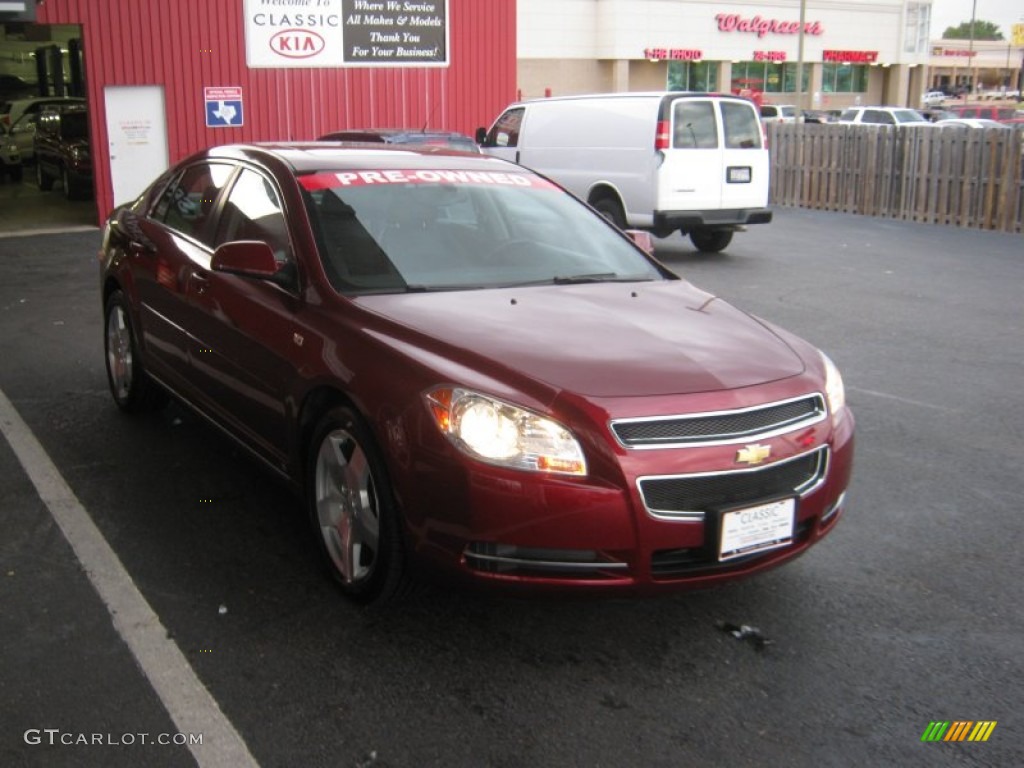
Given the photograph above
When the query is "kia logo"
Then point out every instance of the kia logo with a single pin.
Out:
(297, 43)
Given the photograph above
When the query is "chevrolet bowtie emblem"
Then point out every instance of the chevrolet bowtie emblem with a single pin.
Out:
(753, 454)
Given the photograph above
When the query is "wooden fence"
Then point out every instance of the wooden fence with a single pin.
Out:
(960, 177)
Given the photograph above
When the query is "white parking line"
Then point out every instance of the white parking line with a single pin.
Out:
(190, 705)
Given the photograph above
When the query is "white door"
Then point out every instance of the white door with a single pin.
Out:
(137, 132)
(690, 179)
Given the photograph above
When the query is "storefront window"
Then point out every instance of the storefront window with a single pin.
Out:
(915, 36)
(699, 76)
(767, 77)
(844, 78)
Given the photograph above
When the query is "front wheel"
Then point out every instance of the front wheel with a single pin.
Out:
(711, 240)
(132, 389)
(353, 512)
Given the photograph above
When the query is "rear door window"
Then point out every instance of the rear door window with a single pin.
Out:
(187, 204)
(693, 125)
(739, 123)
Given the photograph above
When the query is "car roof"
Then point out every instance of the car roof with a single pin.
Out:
(304, 157)
(389, 132)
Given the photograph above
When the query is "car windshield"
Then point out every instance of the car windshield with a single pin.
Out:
(436, 230)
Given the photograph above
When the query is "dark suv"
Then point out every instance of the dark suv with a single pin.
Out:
(62, 150)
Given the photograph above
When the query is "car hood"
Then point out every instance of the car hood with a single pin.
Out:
(601, 340)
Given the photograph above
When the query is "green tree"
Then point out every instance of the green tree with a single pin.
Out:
(983, 30)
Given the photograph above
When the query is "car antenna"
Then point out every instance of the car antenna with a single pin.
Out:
(429, 118)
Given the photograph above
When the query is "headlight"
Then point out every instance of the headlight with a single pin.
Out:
(504, 434)
(834, 390)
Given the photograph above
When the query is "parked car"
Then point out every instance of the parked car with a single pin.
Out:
(937, 114)
(446, 139)
(822, 115)
(782, 113)
(901, 116)
(23, 134)
(971, 122)
(696, 163)
(62, 150)
(467, 370)
(981, 111)
(933, 99)
(13, 87)
(13, 110)
(10, 156)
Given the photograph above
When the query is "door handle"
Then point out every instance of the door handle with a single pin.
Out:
(199, 283)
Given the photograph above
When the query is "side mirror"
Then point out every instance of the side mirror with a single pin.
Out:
(481, 135)
(247, 258)
(641, 238)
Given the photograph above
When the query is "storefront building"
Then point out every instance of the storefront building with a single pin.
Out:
(874, 52)
(982, 68)
(165, 79)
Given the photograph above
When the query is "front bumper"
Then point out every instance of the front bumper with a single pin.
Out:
(517, 531)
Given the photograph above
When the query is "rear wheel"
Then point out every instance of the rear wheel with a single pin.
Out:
(70, 191)
(16, 173)
(132, 389)
(43, 179)
(353, 512)
(711, 240)
(611, 210)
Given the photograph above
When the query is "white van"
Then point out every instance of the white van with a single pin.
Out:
(667, 161)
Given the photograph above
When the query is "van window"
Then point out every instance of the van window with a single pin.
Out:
(505, 132)
(694, 125)
(740, 126)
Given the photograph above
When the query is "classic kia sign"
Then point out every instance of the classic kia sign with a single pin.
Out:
(346, 33)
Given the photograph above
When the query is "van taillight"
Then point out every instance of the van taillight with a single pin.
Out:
(661, 136)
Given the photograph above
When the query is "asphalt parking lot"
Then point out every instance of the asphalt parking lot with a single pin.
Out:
(908, 613)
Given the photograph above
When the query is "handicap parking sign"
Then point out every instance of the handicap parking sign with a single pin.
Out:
(223, 107)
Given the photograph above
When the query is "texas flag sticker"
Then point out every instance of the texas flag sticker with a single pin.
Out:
(223, 107)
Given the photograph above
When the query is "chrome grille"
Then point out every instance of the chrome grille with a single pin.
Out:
(720, 427)
(688, 497)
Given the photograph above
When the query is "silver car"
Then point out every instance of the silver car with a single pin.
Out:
(10, 156)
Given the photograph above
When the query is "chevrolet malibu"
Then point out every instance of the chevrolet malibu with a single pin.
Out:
(464, 370)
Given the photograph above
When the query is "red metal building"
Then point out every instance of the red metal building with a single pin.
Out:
(187, 46)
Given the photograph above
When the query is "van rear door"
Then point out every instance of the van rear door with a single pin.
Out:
(716, 160)
(745, 164)
(689, 178)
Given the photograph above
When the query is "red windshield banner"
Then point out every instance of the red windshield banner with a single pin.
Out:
(325, 180)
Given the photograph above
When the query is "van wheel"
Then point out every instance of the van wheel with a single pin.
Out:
(711, 240)
(611, 210)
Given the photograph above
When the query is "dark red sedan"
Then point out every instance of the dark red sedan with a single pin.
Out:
(463, 367)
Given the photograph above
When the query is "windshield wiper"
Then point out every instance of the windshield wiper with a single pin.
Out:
(599, 277)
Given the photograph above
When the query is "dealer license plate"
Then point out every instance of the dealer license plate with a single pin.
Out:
(757, 529)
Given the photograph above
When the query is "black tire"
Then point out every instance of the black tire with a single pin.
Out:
(611, 210)
(711, 240)
(348, 495)
(131, 388)
(44, 181)
(70, 193)
(16, 174)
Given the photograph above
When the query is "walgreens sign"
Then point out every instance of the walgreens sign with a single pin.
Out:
(757, 25)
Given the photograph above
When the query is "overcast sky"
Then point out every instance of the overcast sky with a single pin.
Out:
(950, 13)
